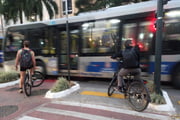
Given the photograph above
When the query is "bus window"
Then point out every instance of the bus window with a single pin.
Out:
(144, 36)
(171, 39)
(63, 43)
(74, 34)
(139, 33)
(129, 33)
(14, 40)
(171, 42)
(41, 42)
(100, 36)
(1, 40)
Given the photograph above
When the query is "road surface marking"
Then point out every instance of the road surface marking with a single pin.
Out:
(29, 118)
(74, 114)
(113, 109)
(103, 94)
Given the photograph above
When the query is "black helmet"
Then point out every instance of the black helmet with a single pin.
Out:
(128, 43)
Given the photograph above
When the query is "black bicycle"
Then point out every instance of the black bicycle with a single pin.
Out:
(134, 90)
(32, 81)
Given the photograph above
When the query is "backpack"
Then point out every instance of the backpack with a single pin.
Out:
(26, 59)
(130, 58)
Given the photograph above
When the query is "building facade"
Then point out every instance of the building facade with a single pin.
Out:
(61, 10)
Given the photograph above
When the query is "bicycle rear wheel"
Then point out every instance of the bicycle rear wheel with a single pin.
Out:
(112, 84)
(138, 96)
(27, 85)
(37, 79)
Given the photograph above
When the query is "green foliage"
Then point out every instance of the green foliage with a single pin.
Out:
(8, 76)
(60, 85)
(14, 9)
(157, 99)
(90, 5)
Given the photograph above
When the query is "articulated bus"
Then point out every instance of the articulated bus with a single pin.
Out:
(95, 36)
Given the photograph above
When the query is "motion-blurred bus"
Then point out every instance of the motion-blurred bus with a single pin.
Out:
(95, 36)
(1, 51)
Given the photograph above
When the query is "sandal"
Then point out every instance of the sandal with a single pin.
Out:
(20, 90)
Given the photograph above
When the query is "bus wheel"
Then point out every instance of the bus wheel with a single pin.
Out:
(40, 67)
(176, 77)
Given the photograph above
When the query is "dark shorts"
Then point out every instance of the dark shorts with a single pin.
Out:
(25, 68)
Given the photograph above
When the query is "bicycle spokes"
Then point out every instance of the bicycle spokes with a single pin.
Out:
(138, 96)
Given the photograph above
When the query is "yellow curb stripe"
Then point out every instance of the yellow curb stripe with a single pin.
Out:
(103, 94)
(176, 116)
(179, 102)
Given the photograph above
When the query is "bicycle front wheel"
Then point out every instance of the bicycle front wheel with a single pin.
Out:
(37, 79)
(138, 96)
(27, 86)
(112, 84)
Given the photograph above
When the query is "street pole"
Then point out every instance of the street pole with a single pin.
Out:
(158, 46)
(2, 26)
(68, 40)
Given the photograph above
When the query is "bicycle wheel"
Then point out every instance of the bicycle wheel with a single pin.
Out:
(37, 79)
(138, 96)
(112, 84)
(27, 86)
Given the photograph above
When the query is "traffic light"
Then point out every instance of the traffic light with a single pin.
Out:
(165, 2)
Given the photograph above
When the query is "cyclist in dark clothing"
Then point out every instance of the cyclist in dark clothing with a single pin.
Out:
(130, 64)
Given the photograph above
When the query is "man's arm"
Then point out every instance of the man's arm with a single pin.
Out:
(117, 55)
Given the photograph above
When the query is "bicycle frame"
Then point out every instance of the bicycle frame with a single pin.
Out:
(134, 90)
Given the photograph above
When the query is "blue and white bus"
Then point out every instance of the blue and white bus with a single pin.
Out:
(95, 36)
(1, 51)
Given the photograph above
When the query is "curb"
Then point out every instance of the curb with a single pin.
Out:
(2, 85)
(64, 93)
(168, 107)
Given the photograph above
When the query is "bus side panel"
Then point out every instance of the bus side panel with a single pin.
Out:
(102, 67)
(167, 65)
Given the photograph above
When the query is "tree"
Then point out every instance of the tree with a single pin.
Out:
(90, 5)
(35, 8)
(10, 10)
(0, 7)
(14, 9)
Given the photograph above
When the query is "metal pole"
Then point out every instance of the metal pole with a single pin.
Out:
(2, 26)
(158, 47)
(68, 40)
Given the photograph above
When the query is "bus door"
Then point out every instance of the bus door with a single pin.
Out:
(62, 49)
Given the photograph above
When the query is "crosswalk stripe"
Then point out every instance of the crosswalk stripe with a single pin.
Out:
(29, 118)
(73, 113)
(128, 112)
